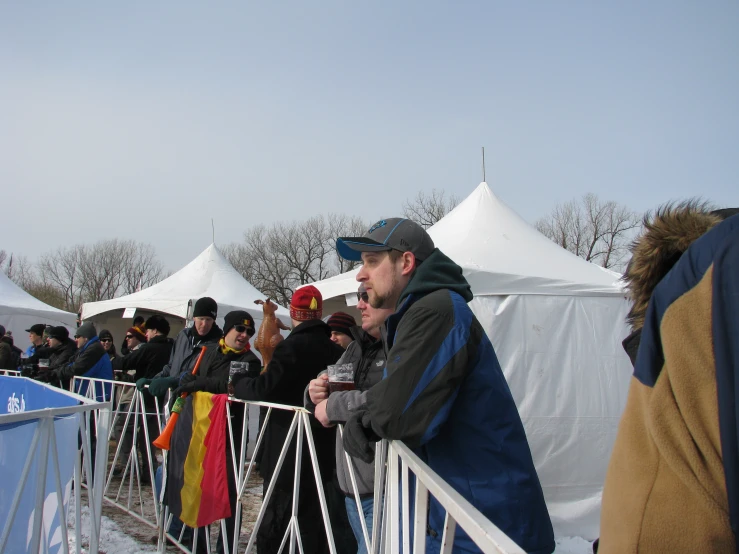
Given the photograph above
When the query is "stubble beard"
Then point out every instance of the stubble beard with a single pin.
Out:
(385, 301)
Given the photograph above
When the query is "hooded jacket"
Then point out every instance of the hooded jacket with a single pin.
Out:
(368, 357)
(671, 484)
(10, 355)
(89, 361)
(445, 396)
(186, 341)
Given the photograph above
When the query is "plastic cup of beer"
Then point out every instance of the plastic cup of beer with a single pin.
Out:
(43, 363)
(340, 377)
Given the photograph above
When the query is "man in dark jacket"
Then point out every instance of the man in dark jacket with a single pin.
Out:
(445, 395)
(212, 376)
(203, 331)
(296, 360)
(90, 360)
(147, 360)
(367, 355)
(9, 353)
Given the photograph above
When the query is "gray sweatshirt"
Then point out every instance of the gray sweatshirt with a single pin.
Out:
(368, 358)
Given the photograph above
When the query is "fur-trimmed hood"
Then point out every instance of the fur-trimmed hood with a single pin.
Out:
(667, 233)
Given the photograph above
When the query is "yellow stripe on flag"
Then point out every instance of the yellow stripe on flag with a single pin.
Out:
(193, 474)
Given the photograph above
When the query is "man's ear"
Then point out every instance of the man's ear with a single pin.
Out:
(409, 263)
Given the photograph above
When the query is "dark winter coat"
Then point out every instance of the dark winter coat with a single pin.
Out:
(89, 361)
(60, 355)
(296, 360)
(368, 357)
(10, 355)
(446, 397)
(148, 360)
(186, 340)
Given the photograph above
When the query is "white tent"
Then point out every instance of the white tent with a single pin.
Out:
(210, 274)
(19, 310)
(556, 322)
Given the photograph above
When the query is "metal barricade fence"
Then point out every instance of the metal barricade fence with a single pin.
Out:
(130, 473)
(10, 372)
(396, 467)
(44, 441)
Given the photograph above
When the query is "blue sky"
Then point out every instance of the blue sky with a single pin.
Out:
(145, 119)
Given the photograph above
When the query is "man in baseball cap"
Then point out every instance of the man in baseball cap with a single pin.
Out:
(444, 387)
(402, 235)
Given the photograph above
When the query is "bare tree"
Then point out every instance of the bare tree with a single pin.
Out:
(597, 231)
(428, 208)
(280, 258)
(101, 271)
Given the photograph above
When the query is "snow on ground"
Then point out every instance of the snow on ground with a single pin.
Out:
(113, 539)
(573, 545)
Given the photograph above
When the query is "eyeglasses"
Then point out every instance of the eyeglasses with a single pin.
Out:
(129, 336)
(363, 296)
(106, 340)
(244, 329)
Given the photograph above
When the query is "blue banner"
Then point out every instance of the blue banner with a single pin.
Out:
(18, 394)
(16, 439)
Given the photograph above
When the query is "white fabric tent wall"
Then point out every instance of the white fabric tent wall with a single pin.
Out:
(556, 322)
(19, 310)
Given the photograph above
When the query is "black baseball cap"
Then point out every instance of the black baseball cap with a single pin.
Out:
(38, 329)
(395, 233)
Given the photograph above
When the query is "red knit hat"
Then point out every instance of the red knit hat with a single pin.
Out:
(306, 303)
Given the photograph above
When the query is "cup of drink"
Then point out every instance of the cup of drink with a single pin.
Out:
(236, 369)
(340, 377)
(43, 363)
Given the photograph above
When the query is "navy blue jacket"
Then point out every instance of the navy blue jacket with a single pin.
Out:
(445, 396)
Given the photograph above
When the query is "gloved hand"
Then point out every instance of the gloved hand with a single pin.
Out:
(359, 438)
(44, 376)
(186, 378)
(159, 387)
(191, 385)
(141, 383)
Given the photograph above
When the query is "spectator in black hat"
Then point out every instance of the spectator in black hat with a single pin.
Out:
(203, 331)
(341, 325)
(61, 346)
(147, 360)
(106, 339)
(35, 335)
(213, 376)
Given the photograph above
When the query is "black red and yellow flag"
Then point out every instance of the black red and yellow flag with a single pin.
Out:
(197, 477)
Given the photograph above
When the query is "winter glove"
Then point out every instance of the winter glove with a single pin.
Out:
(159, 387)
(45, 376)
(191, 385)
(141, 383)
(359, 437)
(186, 378)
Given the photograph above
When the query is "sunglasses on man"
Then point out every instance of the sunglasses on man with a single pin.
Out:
(244, 329)
(363, 296)
(106, 340)
(129, 336)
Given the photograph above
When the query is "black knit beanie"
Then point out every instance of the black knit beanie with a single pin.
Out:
(205, 307)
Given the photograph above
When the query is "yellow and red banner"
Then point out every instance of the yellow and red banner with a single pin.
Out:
(197, 476)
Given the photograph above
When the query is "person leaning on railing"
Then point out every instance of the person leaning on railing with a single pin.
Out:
(296, 360)
(444, 394)
(368, 357)
(204, 331)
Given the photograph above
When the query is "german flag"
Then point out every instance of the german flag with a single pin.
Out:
(197, 477)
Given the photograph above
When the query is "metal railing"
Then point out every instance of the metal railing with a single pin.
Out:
(10, 372)
(398, 471)
(44, 444)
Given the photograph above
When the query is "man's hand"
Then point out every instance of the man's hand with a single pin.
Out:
(318, 390)
(321, 414)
